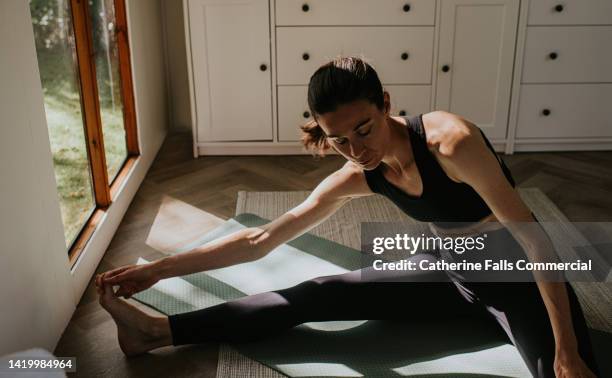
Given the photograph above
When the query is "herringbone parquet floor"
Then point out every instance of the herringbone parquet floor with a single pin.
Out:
(580, 183)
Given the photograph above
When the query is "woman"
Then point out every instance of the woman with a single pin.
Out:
(438, 168)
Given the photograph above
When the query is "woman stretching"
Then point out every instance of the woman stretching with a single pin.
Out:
(437, 168)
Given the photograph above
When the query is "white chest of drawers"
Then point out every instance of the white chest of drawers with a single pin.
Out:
(563, 81)
(397, 37)
(500, 63)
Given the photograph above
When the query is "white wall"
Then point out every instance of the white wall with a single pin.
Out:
(36, 295)
(179, 104)
(38, 292)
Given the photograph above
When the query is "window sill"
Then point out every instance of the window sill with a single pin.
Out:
(90, 227)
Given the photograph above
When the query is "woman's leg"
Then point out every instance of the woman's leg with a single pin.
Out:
(519, 309)
(356, 295)
(137, 331)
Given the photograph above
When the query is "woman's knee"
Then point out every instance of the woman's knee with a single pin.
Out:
(331, 285)
(320, 291)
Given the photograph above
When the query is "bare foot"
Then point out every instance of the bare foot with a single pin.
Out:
(137, 331)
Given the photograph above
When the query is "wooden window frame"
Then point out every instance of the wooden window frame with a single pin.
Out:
(104, 192)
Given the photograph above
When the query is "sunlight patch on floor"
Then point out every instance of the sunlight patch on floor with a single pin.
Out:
(178, 225)
(498, 361)
(318, 369)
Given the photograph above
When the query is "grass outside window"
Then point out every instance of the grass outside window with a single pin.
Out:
(83, 58)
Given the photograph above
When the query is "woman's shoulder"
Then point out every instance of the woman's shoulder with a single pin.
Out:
(449, 135)
(348, 181)
(445, 131)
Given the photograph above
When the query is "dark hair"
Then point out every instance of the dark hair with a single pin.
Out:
(341, 81)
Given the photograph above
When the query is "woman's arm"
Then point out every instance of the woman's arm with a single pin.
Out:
(256, 242)
(247, 244)
(469, 159)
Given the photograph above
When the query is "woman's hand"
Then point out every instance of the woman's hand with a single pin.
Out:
(131, 279)
(570, 365)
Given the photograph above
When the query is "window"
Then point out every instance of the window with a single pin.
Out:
(83, 57)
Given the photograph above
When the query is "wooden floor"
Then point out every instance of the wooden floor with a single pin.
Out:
(580, 183)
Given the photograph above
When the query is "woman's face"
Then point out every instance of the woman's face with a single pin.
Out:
(358, 131)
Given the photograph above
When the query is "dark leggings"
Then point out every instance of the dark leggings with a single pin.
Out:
(359, 295)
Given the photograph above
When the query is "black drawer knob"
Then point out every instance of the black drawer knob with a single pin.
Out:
(405, 56)
(306, 114)
(305, 56)
(559, 8)
(305, 8)
(402, 112)
(553, 55)
(406, 8)
(445, 68)
(546, 112)
(263, 67)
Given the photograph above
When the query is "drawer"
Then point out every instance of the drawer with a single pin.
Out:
(409, 99)
(293, 106)
(355, 12)
(570, 12)
(574, 110)
(292, 112)
(582, 54)
(400, 54)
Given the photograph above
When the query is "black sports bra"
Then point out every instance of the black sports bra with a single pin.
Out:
(442, 200)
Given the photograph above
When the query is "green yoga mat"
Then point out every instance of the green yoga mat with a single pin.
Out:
(338, 349)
